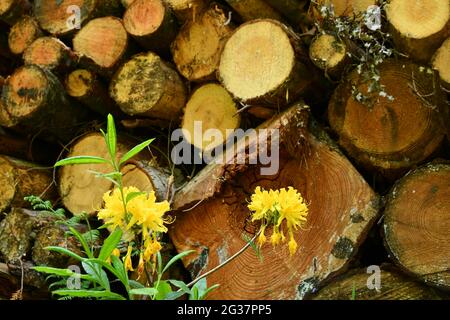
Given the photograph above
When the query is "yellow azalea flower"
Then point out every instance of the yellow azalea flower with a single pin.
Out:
(141, 264)
(263, 203)
(275, 207)
(127, 260)
(152, 247)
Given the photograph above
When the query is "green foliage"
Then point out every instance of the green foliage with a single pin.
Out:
(99, 271)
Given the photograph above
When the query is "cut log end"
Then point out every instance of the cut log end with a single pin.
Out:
(26, 90)
(12, 10)
(441, 63)
(151, 23)
(22, 34)
(390, 135)
(394, 286)
(79, 188)
(419, 27)
(103, 41)
(328, 54)
(79, 83)
(187, 10)
(212, 107)
(145, 85)
(257, 61)
(219, 226)
(50, 53)
(348, 8)
(417, 224)
(197, 48)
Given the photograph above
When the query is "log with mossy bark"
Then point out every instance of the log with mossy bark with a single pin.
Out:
(417, 224)
(152, 24)
(390, 134)
(393, 286)
(23, 33)
(197, 48)
(148, 86)
(12, 10)
(254, 9)
(60, 18)
(103, 44)
(34, 101)
(212, 217)
(50, 53)
(262, 63)
(419, 27)
(19, 179)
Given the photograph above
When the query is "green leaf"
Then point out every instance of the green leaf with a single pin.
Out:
(176, 258)
(174, 295)
(136, 285)
(97, 273)
(122, 274)
(111, 137)
(83, 242)
(80, 160)
(65, 252)
(144, 292)
(164, 288)
(207, 291)
(130, 154)
(110, 244)
(133, 195)
(181, 285)
(54, 271)
(111, 269)
(89, 294)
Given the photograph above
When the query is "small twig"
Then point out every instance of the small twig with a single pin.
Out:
(237, 254)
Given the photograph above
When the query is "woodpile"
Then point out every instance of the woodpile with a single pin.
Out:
(369, 172)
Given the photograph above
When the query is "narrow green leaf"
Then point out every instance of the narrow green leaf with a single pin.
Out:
(144, 292)
(174, 295)
(107, 266)
(164, 288)
(65, 252)
(134, 151)
(83, 242)
(122, 274)
(97, 273)
(207, 291)
(176, 258)
(89, 294)
(80, 160)
(181, 285)
(136, 285)
(54, 271)
(110, 244)
(111, 136)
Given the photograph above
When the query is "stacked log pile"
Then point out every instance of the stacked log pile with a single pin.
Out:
(373, 176)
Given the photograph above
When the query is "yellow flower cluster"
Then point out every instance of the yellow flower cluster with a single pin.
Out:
(272, 208)
(143, 216)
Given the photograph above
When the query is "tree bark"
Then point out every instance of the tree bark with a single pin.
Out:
(254, 9)
(12, 10)
(416, 224)
(188, 10)
(390, 136)
(85, 86)
(148, 86)
(197, 48)
(34, 101)
(19, 179)
(215, 220)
